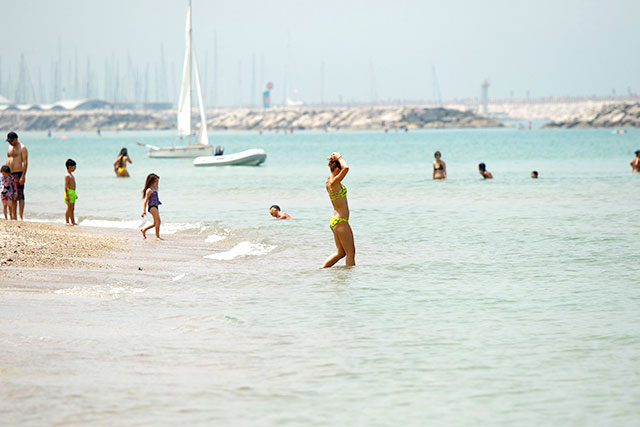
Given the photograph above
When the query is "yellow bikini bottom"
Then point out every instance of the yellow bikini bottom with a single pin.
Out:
(337, 220)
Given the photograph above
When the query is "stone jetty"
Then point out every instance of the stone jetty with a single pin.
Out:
(81, 120)
(250, 119)
(349, 119)
(608, 116)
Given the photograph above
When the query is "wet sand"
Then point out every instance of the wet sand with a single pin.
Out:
(39, 255)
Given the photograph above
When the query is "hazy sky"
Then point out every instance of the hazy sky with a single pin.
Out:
(549, 47)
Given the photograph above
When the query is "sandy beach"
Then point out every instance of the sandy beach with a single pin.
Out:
(50, 255)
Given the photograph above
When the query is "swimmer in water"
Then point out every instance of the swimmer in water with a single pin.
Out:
(120, 165)
(482, 168)
(439, 167)
(635, 163)
(275, 212)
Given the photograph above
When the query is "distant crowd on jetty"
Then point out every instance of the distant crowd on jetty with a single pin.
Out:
(14, 174)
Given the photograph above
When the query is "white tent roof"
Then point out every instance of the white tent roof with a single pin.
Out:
(67, 104)
(83, 104)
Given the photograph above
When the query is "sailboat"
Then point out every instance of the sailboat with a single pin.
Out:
(202, 146)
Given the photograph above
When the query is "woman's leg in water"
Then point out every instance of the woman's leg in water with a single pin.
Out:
(338, 255)
(345, 235)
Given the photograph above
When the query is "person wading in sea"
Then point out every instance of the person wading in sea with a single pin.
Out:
(17, 160)
(635, 163)
(339, 223)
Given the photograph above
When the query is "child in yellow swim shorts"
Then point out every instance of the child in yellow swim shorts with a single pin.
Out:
(70, 195)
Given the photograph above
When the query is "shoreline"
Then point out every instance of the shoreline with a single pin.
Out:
(36, 255)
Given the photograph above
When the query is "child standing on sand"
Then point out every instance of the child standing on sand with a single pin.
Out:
(70, 195)
(151, 203)
(9, 190)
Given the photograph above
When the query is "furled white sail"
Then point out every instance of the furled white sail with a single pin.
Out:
(202, 148)
(184, 105)
(203, 137)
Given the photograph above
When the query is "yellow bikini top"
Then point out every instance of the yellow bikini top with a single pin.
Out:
(340, 194)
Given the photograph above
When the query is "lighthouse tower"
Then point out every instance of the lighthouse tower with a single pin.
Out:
(484, 97)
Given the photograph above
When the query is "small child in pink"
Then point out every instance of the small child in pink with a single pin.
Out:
(9, 191)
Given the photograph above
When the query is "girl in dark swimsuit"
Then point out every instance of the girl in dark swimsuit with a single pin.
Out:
(151, 203)
(439, 167)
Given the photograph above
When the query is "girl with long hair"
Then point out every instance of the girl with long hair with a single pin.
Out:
(120, 165)
(151, 204)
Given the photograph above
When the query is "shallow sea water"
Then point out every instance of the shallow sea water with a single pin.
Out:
(504, 302)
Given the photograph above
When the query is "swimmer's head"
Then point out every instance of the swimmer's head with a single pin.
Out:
(534, 174)
(274, 209)
(437, 155)
(482, 167)
(637, 153)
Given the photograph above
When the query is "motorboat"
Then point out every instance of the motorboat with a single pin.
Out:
(252, 157)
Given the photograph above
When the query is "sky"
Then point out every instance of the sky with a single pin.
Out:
(329, 50)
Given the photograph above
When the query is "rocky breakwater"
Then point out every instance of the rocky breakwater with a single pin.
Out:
(82, 120)
(608, 116)
(347, 119)
(249, 119)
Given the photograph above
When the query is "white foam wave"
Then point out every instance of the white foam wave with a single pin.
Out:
(215, 238)
(242, 249)
(101, 291)
(174, 227)
(179, 277)
(166, 228)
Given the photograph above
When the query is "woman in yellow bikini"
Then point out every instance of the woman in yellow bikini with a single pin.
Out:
(339, 223)
(120, 165)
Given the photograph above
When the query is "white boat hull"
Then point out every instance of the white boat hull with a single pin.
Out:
(179, 152)
(252, 157)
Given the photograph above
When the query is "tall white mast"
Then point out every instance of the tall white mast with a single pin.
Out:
(203, 137)
(184, 105)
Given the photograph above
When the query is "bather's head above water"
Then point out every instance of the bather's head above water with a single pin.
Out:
(273, 210)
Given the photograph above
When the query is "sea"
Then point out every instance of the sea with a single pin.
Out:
(506, 302)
